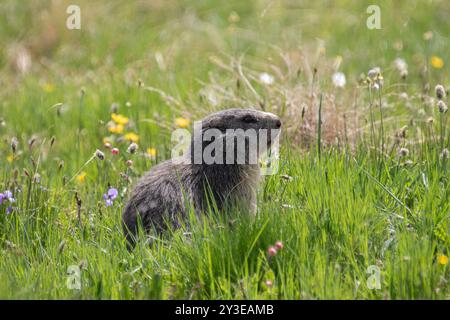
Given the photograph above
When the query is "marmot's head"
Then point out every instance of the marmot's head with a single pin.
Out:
(241, 119)
(243, 134)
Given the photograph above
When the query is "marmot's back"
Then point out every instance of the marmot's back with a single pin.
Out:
(157, 196)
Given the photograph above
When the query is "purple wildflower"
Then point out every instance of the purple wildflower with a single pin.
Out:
(110, 196)
(9, 210)
(112, 193)
(7, 195)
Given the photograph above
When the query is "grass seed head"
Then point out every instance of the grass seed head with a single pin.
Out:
(132, 148)
(440, 91)
(100, 155)
(442, 106)
(403, 152)
(14, 144)
(31, 141)
(286, 177)
(114, 107)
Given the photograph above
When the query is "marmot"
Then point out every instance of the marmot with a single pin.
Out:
(161, 195)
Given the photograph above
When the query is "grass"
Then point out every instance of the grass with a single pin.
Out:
(342, 201)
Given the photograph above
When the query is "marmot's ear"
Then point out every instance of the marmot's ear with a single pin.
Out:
(215, 123)
(249, 119)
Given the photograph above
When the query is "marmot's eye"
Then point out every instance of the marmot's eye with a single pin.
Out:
(249, 119)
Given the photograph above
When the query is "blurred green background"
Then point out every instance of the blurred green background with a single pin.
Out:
(169, 45)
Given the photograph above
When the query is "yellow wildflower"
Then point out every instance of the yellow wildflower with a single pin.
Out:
(131, 136)
(182, 122)
(106, 140)
(151, 152)
(436, 62)
(443, 259)
(48, 87)
(81, 177)
(119, 119)
(116, 128)
(10, 158)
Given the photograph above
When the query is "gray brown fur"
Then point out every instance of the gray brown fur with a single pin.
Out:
(161, 195)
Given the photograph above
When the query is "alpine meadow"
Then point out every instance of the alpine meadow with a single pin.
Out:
(357, 208)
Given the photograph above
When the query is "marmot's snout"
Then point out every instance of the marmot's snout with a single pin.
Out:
(272, 123)
(274, 120)
(278, 123)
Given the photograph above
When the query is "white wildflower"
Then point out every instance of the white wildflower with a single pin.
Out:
(338, 79)
(400, 64)
(374, 72)
(266, 78)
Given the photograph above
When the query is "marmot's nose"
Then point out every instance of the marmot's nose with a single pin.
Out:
(278, 123)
